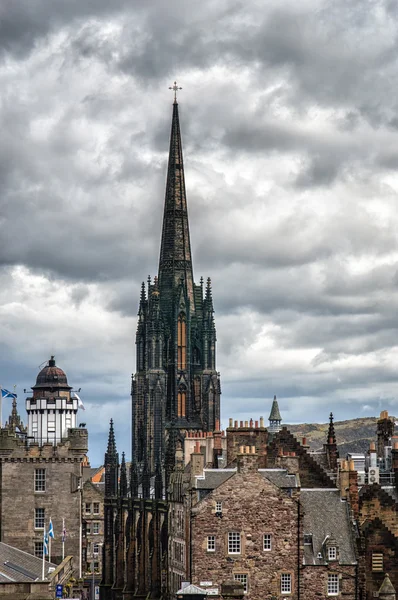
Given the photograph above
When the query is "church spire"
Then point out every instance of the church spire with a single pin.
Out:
(175, 251)
(274, 417)
(331, 432)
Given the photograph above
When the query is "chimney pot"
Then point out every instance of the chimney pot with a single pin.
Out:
(241, 449)
(395, 445)
(231, 422)
(372, 447)
(251, 422)
(253, 449)
(304, 442)
(261, 421)
(256, 424)
(241, 424)
(236, 425)
(246, 423)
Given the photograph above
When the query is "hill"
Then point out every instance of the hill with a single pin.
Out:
(353, 435)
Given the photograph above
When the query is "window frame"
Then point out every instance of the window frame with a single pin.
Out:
(38, 549)
(87, 505)
(40, 481)
(41, 519)
(96, 505)
(234, 541)
(218, 507)
(332, 553)
(286, 582)
(211, 543)
(333, 584)
(267, 536)
(243, 578)
(96, 528)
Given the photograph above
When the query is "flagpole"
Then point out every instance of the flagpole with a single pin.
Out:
(44, 551)
(63, 539)
(49, 548)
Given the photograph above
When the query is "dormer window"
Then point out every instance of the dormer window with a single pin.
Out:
(307, 539)
(332, 553)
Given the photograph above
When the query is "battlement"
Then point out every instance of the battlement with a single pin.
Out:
(12, 446)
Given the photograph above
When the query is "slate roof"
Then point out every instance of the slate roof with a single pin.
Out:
(19, 566)
(279, 477)
(212, 478)
(326, 516)
(275, 415)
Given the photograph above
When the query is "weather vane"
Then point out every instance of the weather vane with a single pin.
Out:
(175, 89)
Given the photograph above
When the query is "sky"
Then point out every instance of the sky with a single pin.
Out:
(289, 118)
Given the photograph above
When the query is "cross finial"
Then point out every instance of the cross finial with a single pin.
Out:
(175, 89)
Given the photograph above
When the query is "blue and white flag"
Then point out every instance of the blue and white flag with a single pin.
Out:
(51, 529)
(45, 543)
(79, 401)
(7, 394)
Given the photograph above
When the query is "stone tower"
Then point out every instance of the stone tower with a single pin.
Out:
(41, 470)
(176, 386)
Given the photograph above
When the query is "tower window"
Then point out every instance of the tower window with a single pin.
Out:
(40, 480)
(181, 342)
(182, 403)
(39, 518)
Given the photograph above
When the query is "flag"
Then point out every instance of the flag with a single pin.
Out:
(50, 529)
(7, 394)
(79, 401)
(45, 543)
(63, 531)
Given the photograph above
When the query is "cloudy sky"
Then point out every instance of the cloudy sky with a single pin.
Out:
(289, 115)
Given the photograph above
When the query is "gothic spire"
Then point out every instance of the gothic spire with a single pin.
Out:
(175, 250)
(111, 465)
(14, 422)
(123, 478)
(331, 432)
(111, 450)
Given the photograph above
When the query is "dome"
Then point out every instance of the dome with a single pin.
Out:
(51, 377)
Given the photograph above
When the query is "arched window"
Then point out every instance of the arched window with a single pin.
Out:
(182, 403)
(181, 342)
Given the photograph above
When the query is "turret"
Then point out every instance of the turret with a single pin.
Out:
(274, 418)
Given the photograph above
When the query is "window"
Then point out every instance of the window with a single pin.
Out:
(96, 566)
(95, 548)
(267, 542)
(95, 528)
(377, 562)
(286, 583)
(39, 518)
(218, 506)
(39, 549)
(40, 480)
(333, 584)
(88, 529)
(211, 543)
(332, 553)
(182, 403)
(181, 342)
(233, 543)
(96, 508)
(243, 578)
(87, 508)
(51, 422)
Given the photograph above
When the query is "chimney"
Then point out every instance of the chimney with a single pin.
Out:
(288, 461)
(353, 489)
(394, 463)
(247, 460)
(197, 461)
(344, 479)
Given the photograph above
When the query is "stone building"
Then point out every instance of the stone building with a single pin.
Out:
(92, 526)
(257, 523)
(46, 460)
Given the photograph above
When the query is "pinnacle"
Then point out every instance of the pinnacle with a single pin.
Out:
(111, 440)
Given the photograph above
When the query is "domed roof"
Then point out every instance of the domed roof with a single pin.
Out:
(51, 376)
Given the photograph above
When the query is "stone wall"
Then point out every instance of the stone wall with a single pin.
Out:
(19, 501)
